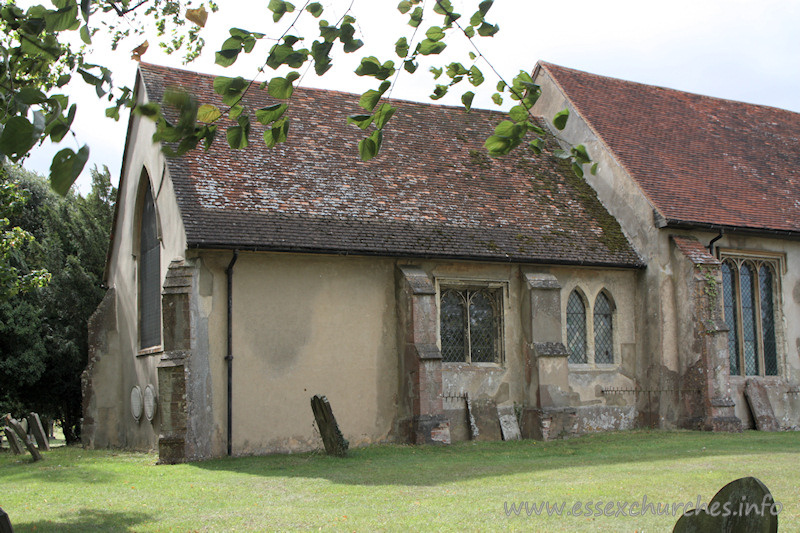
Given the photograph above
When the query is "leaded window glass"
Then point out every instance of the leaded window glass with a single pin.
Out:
(576, 328)
(470, 325)
(149, 276)
(729, 300)
(603, 330)
(748, 294)
(768, 321)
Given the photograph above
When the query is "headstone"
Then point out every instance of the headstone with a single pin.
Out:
(332, 438)
(509, 425)
(763, 415)
(485, 414)
(750, 509)
(474, 432)
(5, 523)
(35, 424)
(13, 443)
(23, 436)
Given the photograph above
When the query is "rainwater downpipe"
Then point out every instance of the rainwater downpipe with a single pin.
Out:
(229, 357)
(711, 244)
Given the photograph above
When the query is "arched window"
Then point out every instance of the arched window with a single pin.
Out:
(576, 328)
(748, 294)
(603, 330)
(149, 275)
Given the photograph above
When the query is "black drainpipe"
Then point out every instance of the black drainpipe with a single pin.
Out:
(711, 244)
(229, 357)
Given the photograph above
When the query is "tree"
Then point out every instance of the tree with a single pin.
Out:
(43, 341)
(39, 60)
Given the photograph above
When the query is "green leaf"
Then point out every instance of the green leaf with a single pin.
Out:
(370, 146)
(371, 66)
(278, 133)
(371, 97)
(231, 89)
(85, 36)
(66, 167)
(560, 120)
(63, 19)
(469, 31)
(279, 8)
(235, 111)
(415, 18)
(501, 86)
(593, 170)
(444, 7)
(18, 137)
(410, 66)
(269, 114)
(382, 116)
(404, 7)
(439, 91)
(352, 45)
(30, 96)
(475, 76)
(237, 135)
(280, 88)
(428, 47)
(580, 154)
(518, 113)
(497, 146)
(315, 9)
(487, 30)
(208, 113)
(436, 72)
(466, 99)
(150, 110)
(111, 112)
(497, 98)
(435, 33)
(537, 145)
(320, 52)
(401, 47)
(577, 169)
(362, 121)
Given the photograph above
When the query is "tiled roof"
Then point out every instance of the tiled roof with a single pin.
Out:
(431, 192)
(694, 250)
(701, 161)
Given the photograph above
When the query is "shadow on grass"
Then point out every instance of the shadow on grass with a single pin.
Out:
(86, 520)
(430, 465)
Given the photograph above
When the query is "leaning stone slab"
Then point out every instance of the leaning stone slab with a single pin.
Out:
(35, 425)
(485, 414)
(750, 509)
(332, 438)
(13, 443)
(509, 425)
(23, 436)
(763, 415)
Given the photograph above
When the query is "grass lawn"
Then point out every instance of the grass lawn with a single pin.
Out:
(462, 487)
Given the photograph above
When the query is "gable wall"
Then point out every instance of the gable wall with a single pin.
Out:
(116, 426)
(664, 351)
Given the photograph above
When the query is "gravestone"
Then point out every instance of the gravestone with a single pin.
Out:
(13, 443)
(23, 436)
(332, 438)
(485, 414)
(509, 425)
(5, 523)
(742, 506)
(758, 400)
(35, 425)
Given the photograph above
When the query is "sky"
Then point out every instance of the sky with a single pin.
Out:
(745, 50)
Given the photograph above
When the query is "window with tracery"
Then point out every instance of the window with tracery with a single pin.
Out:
(149, 276)
(471, 324)
(748, 295)
(603, 330)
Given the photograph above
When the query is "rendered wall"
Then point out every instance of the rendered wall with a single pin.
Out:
(118, 367)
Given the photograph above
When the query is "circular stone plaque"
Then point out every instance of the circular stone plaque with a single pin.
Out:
(136, 402)
(149, 402)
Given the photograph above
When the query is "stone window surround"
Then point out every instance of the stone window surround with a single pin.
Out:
(589, 303)
(777, 260)
(482, 283)
(144, 183)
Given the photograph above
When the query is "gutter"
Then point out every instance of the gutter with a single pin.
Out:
(730, 230)
(229, 356)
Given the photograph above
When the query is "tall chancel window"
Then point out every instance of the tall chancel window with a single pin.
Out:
(149, 276)
(748, 294)
(576, 328)
(470, 324)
